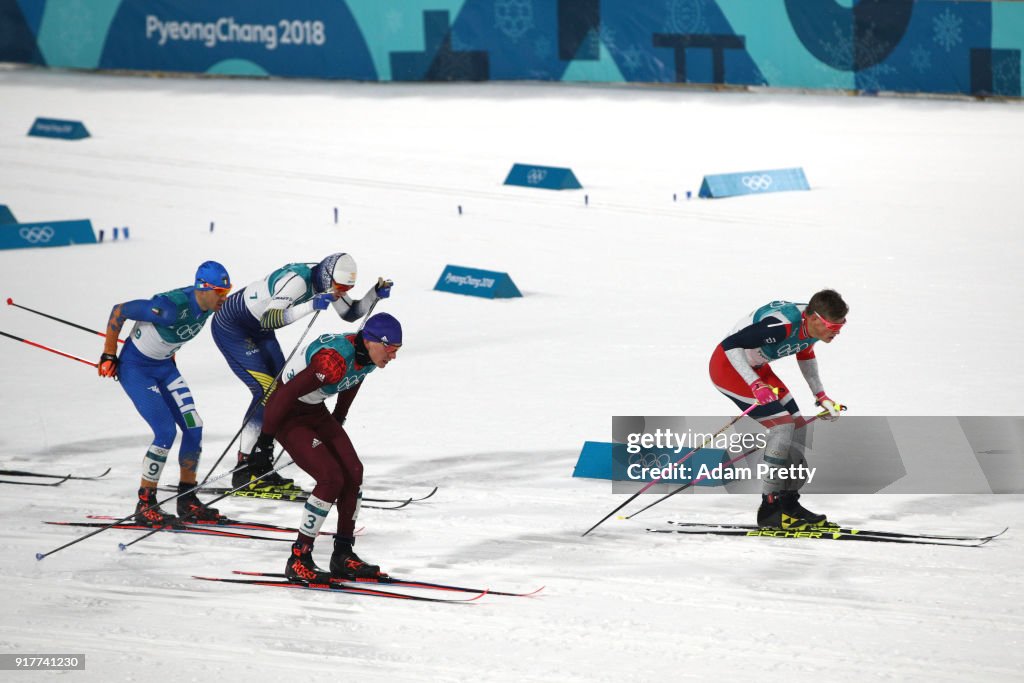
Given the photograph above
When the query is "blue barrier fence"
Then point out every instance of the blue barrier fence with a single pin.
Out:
(930, 46)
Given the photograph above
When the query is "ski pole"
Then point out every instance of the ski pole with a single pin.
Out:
(40, 556)
(704, 476)
(266, 393)
(654, 481)
(10, 302)
(124, 546)
(47, 348)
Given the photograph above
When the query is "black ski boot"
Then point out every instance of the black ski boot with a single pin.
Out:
(148, 513)
(301, 568)
(791, 506)
(259, 474)
(347, 566)
(191, 509)
(783, 511)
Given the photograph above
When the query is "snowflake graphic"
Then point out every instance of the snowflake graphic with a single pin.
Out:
(513, 17)
(920, 59)
(855, 51)
(632, 58)
(947, 29)
(870, 79)
(685, 16)
(1006, 76)
(605, 35)
(637, 63)
(394, 20)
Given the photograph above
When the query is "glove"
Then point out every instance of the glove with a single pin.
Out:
(108, 365)
(764, 393)
(322, 301)
(834, 409)
(383, 288)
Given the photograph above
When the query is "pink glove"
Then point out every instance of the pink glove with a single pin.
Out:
(764, 393)
(834, 409)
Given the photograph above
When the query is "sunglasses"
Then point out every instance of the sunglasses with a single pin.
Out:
(340, 288)
(221, 291)
(830, 326)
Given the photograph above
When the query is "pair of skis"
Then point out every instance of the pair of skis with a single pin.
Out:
(300, 496)
(60, 478)
(827, 533)
(368, 587)
(225, 527)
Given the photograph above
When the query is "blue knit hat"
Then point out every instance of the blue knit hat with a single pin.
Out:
(383, 328)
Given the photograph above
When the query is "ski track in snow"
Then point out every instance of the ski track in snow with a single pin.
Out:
(915, 217)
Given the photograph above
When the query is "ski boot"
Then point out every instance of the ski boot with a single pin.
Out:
(259, 475)
(148, 513)
(301, 568)
(783, 510)
(191, 509)
(347, 566)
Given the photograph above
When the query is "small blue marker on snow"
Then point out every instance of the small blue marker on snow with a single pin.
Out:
(115, 233)
(125, 231)
(101, 234)
(335, 215)
(460, 209)
(673, 196)
(688, 194)
(211, 226)
(586, 200)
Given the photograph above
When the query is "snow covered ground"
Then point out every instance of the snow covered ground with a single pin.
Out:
(915, 217)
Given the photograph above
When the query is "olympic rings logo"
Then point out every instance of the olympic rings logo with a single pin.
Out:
(649, 460)
(758, 183)
(37, 235)
(188, 331)
(536, 175)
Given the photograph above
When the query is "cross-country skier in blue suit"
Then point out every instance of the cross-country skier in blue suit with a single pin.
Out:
(150, 377)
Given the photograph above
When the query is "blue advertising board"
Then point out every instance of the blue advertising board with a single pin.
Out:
(51, 234)
(488, 284)
(869, 46)
(58, 128)
(6, 216)
(612, 461)
(546, 177)
(753, 182)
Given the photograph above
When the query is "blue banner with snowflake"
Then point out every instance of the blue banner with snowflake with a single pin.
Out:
(928, 46)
